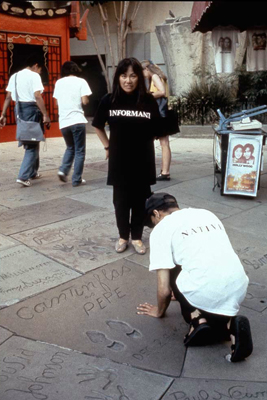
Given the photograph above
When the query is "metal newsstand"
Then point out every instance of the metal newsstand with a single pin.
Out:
(238, 154)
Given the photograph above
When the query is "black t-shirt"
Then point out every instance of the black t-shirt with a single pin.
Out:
(131, 142)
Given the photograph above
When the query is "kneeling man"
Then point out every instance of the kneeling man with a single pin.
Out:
(194, 258)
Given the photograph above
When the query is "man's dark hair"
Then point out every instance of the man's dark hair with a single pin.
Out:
(122, 67)
(33, 59)
(70, 68)
(168, 206)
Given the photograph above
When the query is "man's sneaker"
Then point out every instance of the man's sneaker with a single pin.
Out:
(83, 182)
(62, 176)
(24, 183)
(37, 176)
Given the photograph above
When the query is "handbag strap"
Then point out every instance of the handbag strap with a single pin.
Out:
(16, 99)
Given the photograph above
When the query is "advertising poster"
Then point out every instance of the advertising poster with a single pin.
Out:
(243, 164)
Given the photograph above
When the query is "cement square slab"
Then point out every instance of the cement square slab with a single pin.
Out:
(99, 166)
(47, 188)
(24, 272)
(6, 243)
(83, 243)
(252, 252)
(4, 335)
(195, 389)
(144, 260)
(99, 198)
(24, 218)
(214, 365)
(96, 314)
(193, 200)
(202, 188)
(41, 371)
(250, 221)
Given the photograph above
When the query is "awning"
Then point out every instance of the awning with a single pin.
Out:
(243, 15)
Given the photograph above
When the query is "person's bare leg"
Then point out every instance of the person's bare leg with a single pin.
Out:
(166, 155)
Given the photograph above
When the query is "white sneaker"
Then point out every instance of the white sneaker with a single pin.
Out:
(83, 182)
(62, 176)
(24, 183)
(37, 176)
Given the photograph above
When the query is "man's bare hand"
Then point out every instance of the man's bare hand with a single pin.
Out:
(148, 309)
(46, 121)
(2, 121)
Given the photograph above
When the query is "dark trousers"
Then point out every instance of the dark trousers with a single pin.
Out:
(215, 320)
(129, 203)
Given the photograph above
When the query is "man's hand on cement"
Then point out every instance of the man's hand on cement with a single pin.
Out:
(148, 309)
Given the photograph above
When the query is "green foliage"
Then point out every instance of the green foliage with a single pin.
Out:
(252, 86)
(199, 103)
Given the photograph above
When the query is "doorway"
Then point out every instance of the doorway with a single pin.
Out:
(92, 73)
(20, 53)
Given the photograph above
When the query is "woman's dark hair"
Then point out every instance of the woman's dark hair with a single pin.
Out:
(70, 68)
(122, 67)
(236, 147)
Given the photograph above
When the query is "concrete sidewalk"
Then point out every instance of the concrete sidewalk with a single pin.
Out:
(68, 323)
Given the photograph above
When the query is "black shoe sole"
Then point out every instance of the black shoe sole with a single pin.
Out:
(240, 329)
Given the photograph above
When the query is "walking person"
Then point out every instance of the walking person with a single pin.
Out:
(28, 85)
(133, 118)
(193, 257)
(159, 88)
(71, 93)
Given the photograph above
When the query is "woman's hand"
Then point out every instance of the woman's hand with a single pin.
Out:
(148, 309)
(107, 155)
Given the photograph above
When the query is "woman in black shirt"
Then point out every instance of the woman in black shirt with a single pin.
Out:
(134, 121)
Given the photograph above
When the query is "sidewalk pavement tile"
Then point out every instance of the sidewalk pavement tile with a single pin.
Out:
(96, 314)
(201, 187)
(208, 389)
(41, 371)
(250, 221)
(4, 335)
(83, 243)
(23, 218)
(214, 365)
(99, 197)
(49, 187)
(6, 243)
(25, 272)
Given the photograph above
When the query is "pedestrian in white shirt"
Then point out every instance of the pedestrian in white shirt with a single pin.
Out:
(71, 93)
(30, 107)
(194, 258)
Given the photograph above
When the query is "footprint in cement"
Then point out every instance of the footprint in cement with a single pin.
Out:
(100, 337)
(125, 328)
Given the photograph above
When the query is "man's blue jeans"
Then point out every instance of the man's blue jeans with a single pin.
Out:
(30, 164)
(75, 138)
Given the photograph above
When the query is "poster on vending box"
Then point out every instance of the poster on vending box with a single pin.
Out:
(243, 164)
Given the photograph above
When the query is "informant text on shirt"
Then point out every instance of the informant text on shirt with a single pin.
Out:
(129, 113)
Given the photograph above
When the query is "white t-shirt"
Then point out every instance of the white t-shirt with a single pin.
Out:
(212, 276)
(68, 92)
(256, 50)
(28, 82)
(224, 46)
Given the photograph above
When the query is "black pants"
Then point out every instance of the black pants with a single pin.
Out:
(129, 203)
(215, 320)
